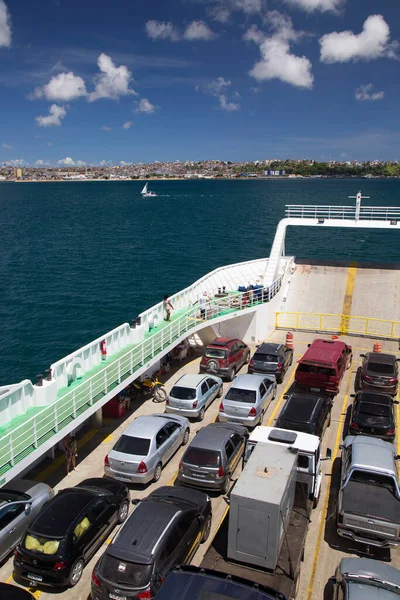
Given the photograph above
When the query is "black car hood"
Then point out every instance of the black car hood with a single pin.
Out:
(192, 496)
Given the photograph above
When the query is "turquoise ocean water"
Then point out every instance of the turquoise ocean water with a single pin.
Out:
(79, 258)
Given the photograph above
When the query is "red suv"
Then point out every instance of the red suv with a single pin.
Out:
(224, 357)
(322, 366)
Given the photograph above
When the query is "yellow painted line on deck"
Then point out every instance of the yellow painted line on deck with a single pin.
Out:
(35, 593)
(326, 502)
(289, 383)
(397, 425)
(9, 579)
(45, 473)
(109, 438)
(348, 299)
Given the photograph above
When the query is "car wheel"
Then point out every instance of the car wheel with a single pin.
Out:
(227, 484)
(291, 360)
(201, 414)
(246, 362)
(329, 420)
(231, 374)
(157, 473)
(262, 417)
(186, 437)
(316, 500)
(123, 511)
(206, 530)
(76, 572)
(279, 378)
(357, 380)
(220, 391)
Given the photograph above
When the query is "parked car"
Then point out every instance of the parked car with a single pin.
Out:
(68, 531)
(12, 592)
(379, 372)
(212, 456)
(365, 579)
(307, 413)
(368, 506)
(247, 399)
(20, 501)
(225, 357)
(192, 394)
(186, 582)
(373, 414)
(165, 529)
(145, 447)
(323, 365)
(271, 358)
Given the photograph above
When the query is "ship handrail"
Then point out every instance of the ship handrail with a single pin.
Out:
(16, 444)
(383, 213)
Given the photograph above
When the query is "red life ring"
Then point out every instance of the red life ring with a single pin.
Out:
(103, 348)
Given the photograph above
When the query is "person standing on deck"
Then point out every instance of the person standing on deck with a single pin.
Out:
(71, 451)
(202, 301)
(167, 308)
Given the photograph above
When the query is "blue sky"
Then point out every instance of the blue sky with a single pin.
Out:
(133, 81)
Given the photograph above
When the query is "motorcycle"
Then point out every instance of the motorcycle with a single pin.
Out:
(152, 387)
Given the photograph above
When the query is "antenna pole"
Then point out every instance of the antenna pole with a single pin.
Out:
(358, 204)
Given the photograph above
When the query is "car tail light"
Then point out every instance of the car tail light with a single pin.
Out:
(221, 472)
(221, 407)
(279, 366)
(251, 363)
(367, 378)
(106, 461)
(96, 580)
(167, 401)
(195, 404)
(59, 566)
(17, 554)
(354, 426)
(390, 432)
(144, 595)
(142, 467)
(393, 380)
(252, 412)
(180, 464)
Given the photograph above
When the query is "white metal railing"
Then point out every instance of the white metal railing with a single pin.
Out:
(370, 213)
(24, 439)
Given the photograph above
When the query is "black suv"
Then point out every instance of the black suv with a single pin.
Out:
(373, 414)
(68, 531)
(307, 413)
(271, 358)
(165, 529)
(187, 583)
(378, 373)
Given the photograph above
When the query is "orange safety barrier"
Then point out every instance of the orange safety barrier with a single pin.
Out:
(289, 339)
(377, 347)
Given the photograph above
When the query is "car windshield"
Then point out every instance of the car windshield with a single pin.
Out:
(374, 479)
(40, 544)
(376, 410)
(132, 445)
(202, 457)
(381, 368)
(216, 353)
(122, 572)
(238, 395)
(183, 393)
(304, 368)
(272, 358)
(10, 496)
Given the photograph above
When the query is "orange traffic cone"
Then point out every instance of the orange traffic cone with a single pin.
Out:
(289, 340)
(377, 347)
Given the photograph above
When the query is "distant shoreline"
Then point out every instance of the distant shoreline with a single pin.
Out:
(271, 178)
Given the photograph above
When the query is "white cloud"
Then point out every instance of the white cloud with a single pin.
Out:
(67, 162)
(113, 81)
(198, 30)
(39, 163)
(321, 5)
(217, 86)
(105, 128)
(277, 62)
(161, 30)
(223, 9)
(57, 113)
(7, 146)
(145, 106)
(364, 93)
(81, 163)
(16, 162)
(228, 106)
(127, 125)
(62, 87)
(5, 25)
(372, 42)
(123, 163)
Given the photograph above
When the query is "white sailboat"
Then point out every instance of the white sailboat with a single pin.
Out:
(146, 193)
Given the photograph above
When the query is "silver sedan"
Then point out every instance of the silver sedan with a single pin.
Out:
(20, 501)
(247, 399)
(145, 447)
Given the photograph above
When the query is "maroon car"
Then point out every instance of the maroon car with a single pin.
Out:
(225, 357)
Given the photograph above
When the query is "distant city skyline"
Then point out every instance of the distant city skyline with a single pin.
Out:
(86, 83)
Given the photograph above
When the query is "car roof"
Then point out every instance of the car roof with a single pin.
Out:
(146, 426)
(304, 442)
(366, 568)
(250, 382)
(211, 437)
(382, 358)
(191, 381)
(269, 348)
(138, 539)
(371, 453)
(221, 341)
(55, 519)
(299, 408)
(373, 398)
(325, 351)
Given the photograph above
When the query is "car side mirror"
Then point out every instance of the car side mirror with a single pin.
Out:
(308, 345)
(200, 517)
(333, 580)
(341, 446)
(135, 501)
(27, 508)
(352, 395)
(363, 356)
(395, 402)
(328, 454)
(397, 457)
(397, 359)
(285, 396)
